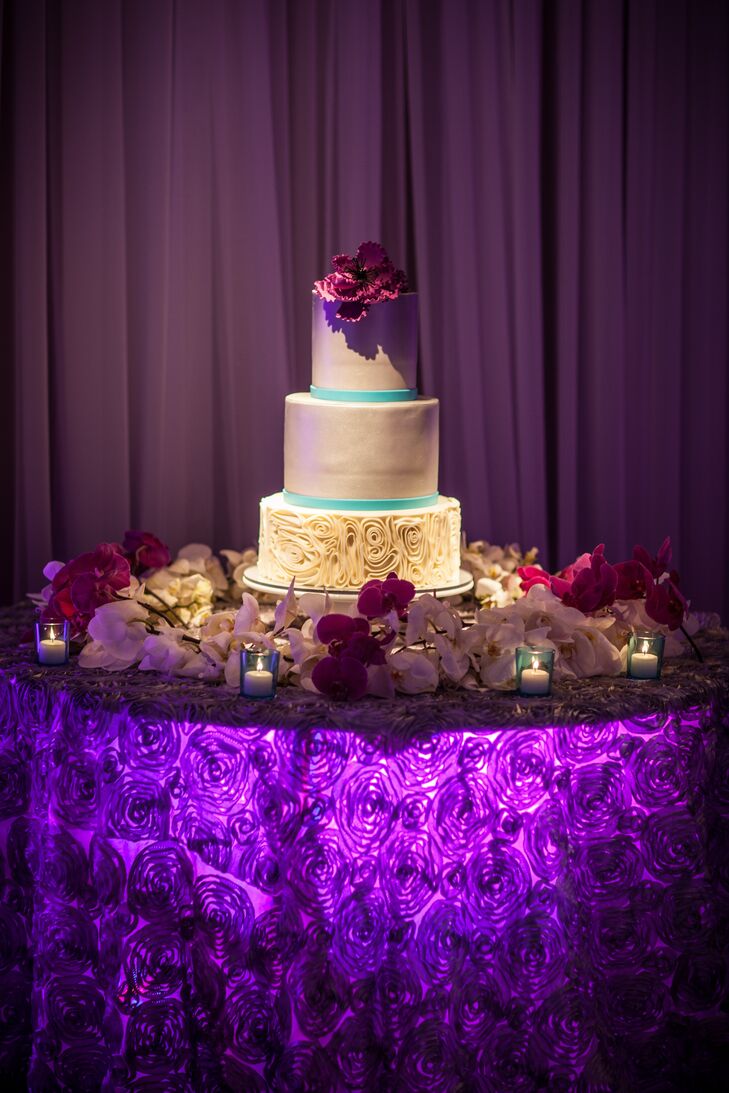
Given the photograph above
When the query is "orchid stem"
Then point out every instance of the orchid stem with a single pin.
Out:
(153, 629)
(149, 592)
(694, 646)
(159, 614)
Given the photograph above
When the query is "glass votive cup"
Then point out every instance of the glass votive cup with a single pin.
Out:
(645, 655)
(534, 669)
(258, 672)
(51, 642)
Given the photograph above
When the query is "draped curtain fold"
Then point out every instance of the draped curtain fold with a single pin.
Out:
(553, 176)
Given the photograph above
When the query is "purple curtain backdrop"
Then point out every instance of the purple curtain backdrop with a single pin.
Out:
(553, 176)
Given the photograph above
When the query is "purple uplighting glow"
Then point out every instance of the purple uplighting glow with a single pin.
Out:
(256, 907)
(364, 463)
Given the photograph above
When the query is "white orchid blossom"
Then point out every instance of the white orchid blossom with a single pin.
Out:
(169, 652)
(414, 671)
(118, 631)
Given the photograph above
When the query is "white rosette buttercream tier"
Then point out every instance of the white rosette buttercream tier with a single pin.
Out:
(360, 495)
(340, 549)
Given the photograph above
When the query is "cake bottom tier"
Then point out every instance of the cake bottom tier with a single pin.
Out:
(341, 549)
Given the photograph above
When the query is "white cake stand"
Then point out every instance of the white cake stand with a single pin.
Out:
(344, 595)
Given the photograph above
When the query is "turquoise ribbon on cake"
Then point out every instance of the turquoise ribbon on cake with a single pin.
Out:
(360, 504)
(335, 394)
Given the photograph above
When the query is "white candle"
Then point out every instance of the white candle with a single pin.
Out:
(644, 665)
(51, 650)
(258, 683)
(534, 680)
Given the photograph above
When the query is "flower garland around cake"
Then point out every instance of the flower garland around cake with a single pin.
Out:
(130, 604)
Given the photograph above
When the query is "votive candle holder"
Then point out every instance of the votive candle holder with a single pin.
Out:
(258, 673)
(534, 669)
(645, 655)
(51, 642)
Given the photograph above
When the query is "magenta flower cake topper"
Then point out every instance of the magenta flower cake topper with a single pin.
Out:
(368, 277)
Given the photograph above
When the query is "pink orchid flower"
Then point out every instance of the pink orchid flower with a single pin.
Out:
(532, 575)
(589, 584)
(593, 587)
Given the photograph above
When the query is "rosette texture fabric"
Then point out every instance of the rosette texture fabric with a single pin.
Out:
(451, 892)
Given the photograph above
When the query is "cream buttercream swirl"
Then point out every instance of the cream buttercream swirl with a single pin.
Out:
(341, 550)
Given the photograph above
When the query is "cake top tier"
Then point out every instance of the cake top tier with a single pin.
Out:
(364, 330)
(377, 354)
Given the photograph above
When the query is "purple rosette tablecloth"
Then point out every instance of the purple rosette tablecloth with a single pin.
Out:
(451, 892)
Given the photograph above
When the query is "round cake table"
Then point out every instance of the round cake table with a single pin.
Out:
(453, 892)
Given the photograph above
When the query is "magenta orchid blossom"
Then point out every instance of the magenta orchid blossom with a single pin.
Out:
(588, 584)
(532, 575)
(379, 598)
(637, 578)
(666, 604)
(367, 278)
(583, 562)
(591, 583)
(342, 678)
(145, 551)
(634, 580)
(85, 583)
(661, 563)
(592, 586)
(335, 630)
(351, 649)
(350, 637)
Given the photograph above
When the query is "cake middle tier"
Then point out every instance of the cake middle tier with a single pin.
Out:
(383, 451)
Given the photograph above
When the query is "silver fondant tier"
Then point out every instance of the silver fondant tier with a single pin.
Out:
(343, 450)
(378, 353)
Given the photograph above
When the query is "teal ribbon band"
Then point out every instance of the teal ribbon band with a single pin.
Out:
(334, 394)
(357, 504)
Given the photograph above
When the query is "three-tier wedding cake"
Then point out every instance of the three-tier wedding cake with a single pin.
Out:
(360, 497)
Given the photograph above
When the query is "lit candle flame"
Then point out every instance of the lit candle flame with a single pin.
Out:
(644, 647)
(535, 664)
(52, 634)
